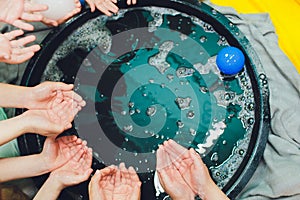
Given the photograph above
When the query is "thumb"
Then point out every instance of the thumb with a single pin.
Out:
(62, 86)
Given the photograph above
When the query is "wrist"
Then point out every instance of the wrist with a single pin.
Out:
(40, 164)
(13, 96)
(187, 196)
(57, 185)
(29, 98)
(25, 122)
(212, 191)
(50, 189)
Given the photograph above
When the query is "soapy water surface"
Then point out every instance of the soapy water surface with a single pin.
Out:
(151, 80)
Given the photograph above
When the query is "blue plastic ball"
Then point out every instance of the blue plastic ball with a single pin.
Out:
(230, 60)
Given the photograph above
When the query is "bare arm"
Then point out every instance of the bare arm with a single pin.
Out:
(32, 165)
(41, 96)
(49, 122)
(56, 153)
(76, 170)
(13, 95)
(188, 163)
(12, 128)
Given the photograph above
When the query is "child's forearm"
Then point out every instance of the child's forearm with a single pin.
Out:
(22, 167)
(50, 190)
(12, 128)
(13, 96)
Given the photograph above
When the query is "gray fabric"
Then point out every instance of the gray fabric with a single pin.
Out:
(278, 174)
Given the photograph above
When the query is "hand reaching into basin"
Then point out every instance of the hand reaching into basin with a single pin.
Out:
(40, 97)
(51, 121)
(171, 180)
(112, 183)
(74, 171)
(13, 51)
(189, 163)
(127, 184)
(44, 95)
(55, 153)
(16, 12)
(52, 107)
(108, 7)
(101, 185)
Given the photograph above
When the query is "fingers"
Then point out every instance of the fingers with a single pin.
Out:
(175, 150)
(92, 5)
(107, 7)
(19, 55)
(17, 59)
(162, 159)
(77, 4)
(108, 170)
(78, 158)
(33, 17)
(134, 177)
(67, 140)
(196, 158)
(34, 7)
(50, 22)
(17, 52)
(133, 2)
(125, 176)
(75, 97)
(61, 86)
(95, 179)
(118, 178)
(23, 25)
(13, 34)
(94, 185)
(133, 174)
(164, 178)
(23, 41)
(69, 112)
(89, 158)
(64, 92)
(31, 11)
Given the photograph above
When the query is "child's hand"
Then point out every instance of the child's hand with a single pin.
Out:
(108, 7)
(13, 51)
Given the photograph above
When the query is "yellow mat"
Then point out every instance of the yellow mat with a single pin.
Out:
(285, 16)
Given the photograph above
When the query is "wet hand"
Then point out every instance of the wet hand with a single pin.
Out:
(14, 51)
(56, 152)
(170, 178)
(102, 183)
(131, 2)
(17, 12)
(108, 7)
(188, 163)
(47, 94)
(52, 121)
(75, 170)
(127, 184)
